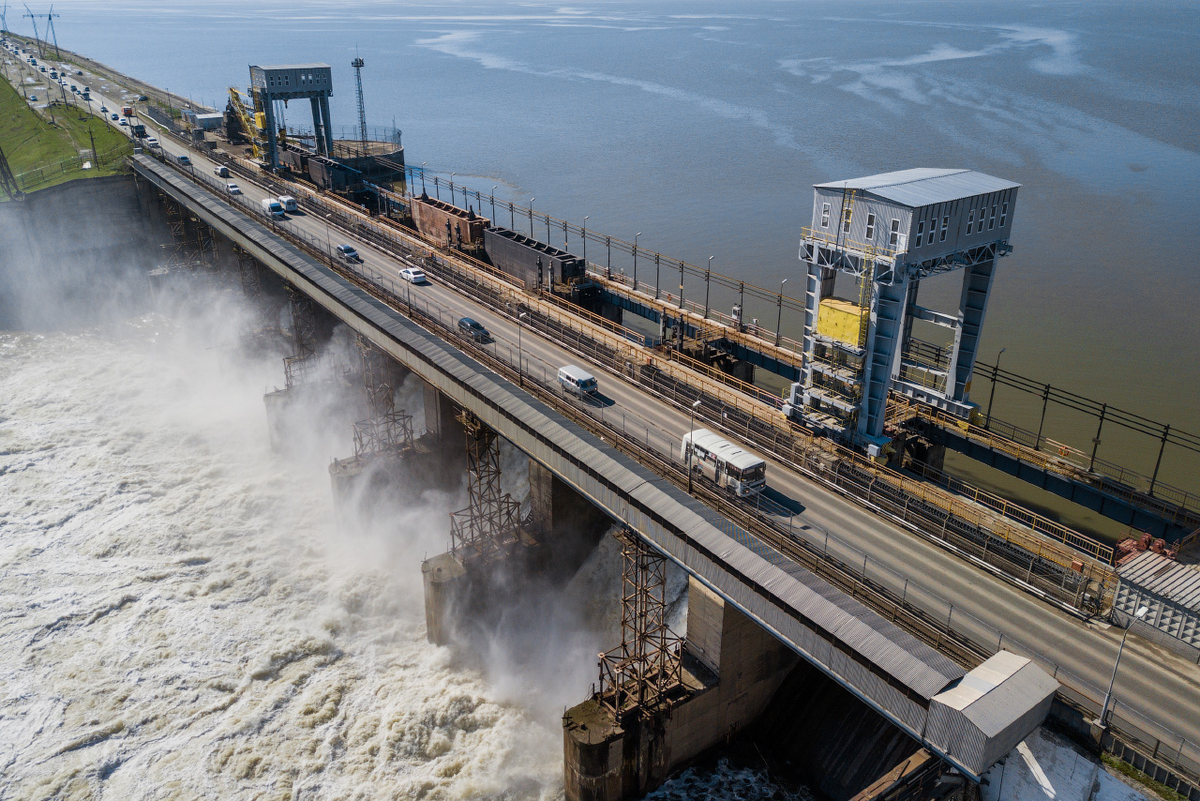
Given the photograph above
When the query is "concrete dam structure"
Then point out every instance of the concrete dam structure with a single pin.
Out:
(885, 628)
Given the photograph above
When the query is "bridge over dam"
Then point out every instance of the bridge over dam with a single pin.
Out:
(760, 567)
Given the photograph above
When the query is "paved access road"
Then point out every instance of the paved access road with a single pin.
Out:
(1154, 683)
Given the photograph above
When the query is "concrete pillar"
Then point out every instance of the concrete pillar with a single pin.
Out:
(318, 127)
(566, 523)
(731, 669)
(446, 588)
(326, 124)
(440, 417)
(280, 423)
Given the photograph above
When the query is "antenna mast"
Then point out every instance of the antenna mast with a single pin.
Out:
(358, 64)
(36, 38)
(54, 35)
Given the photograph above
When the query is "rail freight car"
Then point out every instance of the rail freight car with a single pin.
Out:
(533, 263)
(447, 225)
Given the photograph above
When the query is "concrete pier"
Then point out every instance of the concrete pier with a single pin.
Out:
(731, 669)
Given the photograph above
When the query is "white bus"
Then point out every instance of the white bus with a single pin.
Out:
(725, 464)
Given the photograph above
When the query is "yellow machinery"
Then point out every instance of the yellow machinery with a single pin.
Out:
(840, 320)
(250, 127)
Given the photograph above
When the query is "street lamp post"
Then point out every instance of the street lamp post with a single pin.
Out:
(328, 239)
(1102, 720)
(531, 236)
(585, 219)
(494, 188)
(996, 375)
(779, 315)
(707, 275)
(635, 239)
(520, 352)
(452, 188)
(691, 444)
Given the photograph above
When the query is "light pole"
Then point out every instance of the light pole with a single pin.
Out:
(452, 187)
(328, 239)
(423, 163)
(779, 315)
(531, 236)
(707, 275)
(996, 375)
(1139, 614)
(494, 188)
(635, 239)
(691, 444)
(520, 352)
(585, 219)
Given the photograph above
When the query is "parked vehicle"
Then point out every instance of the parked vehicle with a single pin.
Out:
(272, 207)
(289, 203)
(221, 171)
(412, 275)
(347, 254)
(233, 188)
(474, 330)
(725, 464)
(576, 381)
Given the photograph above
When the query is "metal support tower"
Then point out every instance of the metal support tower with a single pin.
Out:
(36, 37)
(358, 64)
(645, 668)
(54, 36)
(387, 429)
(7, 182)
(299, 367)
(248, 274)
(491, 521)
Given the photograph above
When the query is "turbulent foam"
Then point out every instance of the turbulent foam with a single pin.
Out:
(179, 618)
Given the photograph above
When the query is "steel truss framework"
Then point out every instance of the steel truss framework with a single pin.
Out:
(645, 668)
(491, 520)
(192, 237)
(300, 367)
(386, 430)
(248, 274)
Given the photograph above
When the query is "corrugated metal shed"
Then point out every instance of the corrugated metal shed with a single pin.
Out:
(1174, 582)
(924, 186)
(990, 710)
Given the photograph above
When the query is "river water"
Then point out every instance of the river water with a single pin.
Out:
(179, 616)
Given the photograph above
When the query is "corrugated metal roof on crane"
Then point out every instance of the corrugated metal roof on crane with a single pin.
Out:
(924, 186)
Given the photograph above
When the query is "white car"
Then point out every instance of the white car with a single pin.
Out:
(412, 275)
(233, 188)
(123, 121)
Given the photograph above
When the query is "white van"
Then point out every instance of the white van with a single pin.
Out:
(288, 202)
(577, 381)
(272, 207)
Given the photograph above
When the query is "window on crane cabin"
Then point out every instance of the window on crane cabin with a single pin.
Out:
(824, 215)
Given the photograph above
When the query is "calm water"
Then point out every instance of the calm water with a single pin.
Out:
(702, 125)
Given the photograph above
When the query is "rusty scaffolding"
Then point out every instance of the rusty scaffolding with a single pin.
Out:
(300, 366)
(387, 429)
(248, 273)
(491, 520)
(644, 669)
(192, 243)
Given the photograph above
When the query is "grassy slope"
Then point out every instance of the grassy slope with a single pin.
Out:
(31, 141)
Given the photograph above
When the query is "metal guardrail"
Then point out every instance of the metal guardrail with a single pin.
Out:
(1171, 504)
(962, 636)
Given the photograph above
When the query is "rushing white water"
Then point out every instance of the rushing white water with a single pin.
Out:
(179, 618)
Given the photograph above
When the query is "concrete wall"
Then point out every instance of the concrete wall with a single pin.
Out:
(77, 254)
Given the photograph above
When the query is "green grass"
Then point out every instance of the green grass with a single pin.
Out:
(1141, 778)
(42, 154)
